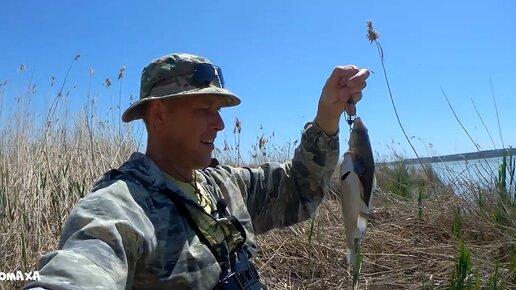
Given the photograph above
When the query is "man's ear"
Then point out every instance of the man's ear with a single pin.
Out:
(155, 113)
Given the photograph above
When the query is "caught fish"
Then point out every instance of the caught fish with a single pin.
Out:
(357, 185)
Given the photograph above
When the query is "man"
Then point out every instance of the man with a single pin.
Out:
(173, 218)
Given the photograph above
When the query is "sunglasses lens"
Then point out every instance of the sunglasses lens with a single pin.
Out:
(206, 73)
(221, 77)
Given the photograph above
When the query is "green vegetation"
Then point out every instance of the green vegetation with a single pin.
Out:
(460, 276)
(457, 224)
(505, 212)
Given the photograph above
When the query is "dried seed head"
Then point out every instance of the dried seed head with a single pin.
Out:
(372, 34)
(226, 146)
(107, 83)
(77, 57)
(92, 71)
(4, 83)
(22, 68)
(238, 126)
(52, 81)
(261, 142)
(122, 72)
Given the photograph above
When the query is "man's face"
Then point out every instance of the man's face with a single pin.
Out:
(189, 127)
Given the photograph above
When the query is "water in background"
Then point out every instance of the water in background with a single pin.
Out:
(462, 175)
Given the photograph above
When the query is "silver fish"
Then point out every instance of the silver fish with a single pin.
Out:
(357, 185)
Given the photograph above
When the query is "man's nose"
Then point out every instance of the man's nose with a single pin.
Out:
(219, 123)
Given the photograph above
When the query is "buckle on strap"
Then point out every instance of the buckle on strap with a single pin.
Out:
(243, 275)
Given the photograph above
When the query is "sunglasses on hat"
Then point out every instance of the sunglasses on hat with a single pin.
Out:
(206, 74)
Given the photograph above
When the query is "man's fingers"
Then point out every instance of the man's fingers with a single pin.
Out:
(351, 110)
(348, 72)
(355, 81)
(341, 74)
(344, 94)
(355, 93)
(359, 77)
(348, 82)
(356, 97)
(354, 86)
(358, 87)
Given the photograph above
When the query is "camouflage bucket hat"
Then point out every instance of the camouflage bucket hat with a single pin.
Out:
(177, 75)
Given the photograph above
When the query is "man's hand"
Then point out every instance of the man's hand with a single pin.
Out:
(342, 91)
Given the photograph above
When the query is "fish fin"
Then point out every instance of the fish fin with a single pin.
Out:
(369, 197)
(345, 175)
(347, 162)
(359, 167)
(362, 224)
(363, 197)
(364, 209)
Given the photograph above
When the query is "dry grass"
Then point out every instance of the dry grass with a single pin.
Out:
(39, 185)
(47, 166)
(400, 251)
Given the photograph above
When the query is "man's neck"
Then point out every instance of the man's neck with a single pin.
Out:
(171, 168)
(180, 174)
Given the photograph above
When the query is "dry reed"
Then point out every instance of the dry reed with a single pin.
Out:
(46, 167)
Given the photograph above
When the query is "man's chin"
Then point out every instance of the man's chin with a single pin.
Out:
(205, 162)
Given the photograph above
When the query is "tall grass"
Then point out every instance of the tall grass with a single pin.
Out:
(48, 163)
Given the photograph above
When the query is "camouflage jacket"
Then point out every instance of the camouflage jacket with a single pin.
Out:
(125, 234)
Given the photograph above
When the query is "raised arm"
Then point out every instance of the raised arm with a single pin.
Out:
(282, 194)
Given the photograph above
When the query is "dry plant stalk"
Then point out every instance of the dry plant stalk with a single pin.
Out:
(403, 251)
(372, 36)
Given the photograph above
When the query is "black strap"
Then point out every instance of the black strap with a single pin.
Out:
(180, 202)
(239, 228)
(185, 213)
(222, 211)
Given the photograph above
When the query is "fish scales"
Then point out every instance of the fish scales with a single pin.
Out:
(357, 185)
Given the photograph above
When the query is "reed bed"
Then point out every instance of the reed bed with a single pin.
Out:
(419, 229)
(400, 251)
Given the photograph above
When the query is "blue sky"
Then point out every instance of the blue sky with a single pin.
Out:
(276, 55)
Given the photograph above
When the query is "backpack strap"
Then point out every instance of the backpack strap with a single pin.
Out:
(182, 204)
(237, 272)
(181, 207)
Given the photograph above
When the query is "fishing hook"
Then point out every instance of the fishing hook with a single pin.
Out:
(351, 118)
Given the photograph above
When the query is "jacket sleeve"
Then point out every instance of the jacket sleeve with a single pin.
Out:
(282, 194)
(104, 237)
